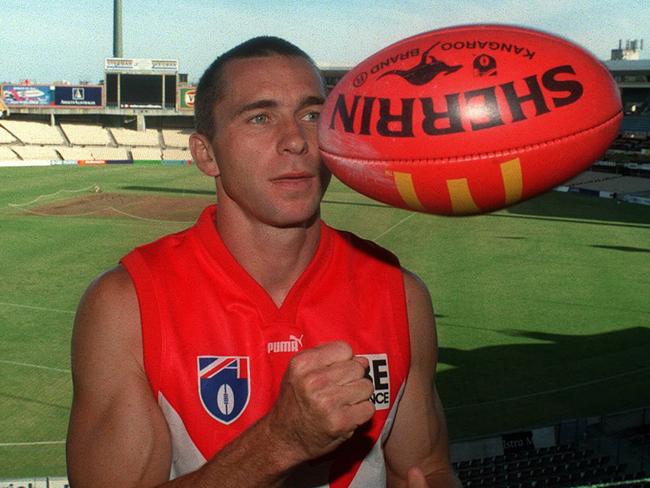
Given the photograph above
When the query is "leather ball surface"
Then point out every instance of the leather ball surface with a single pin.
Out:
(469, 119)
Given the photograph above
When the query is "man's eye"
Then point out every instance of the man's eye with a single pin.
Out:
(311, 116)
(259, 119)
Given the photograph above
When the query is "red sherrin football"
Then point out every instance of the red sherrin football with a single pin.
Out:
(469, 119)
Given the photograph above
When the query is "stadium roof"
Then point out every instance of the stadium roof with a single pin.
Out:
(330, 67)
(640, 66)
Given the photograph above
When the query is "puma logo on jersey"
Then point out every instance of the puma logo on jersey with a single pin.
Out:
(294, 344)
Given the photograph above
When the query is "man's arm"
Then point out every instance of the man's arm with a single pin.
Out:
(417, 444)
(118, 435)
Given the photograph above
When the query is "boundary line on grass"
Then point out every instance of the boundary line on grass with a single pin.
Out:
(33, 307)
(394, 225)
(30, 365)
(35, 443)
(547, 392)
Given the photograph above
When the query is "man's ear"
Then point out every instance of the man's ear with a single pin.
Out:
(203, 154)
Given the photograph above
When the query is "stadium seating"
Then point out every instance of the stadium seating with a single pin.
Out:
(6, 154)
(563, 465)
(5, 137)
(589, 176)
(29, 132)
(176, 137)
(146, 153)
(636, 124)
(74, 153)
(94, 152)
(128, 137)
(595, 181)
(36, 152)
(109, 153)
(86, 135)
(176, 155)
(88, 142)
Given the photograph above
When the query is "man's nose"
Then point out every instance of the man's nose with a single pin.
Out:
(293, 138)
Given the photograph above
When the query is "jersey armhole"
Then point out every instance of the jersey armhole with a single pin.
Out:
(400, 312)
(152, 336)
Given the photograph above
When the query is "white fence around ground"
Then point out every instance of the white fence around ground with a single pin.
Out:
(52, 482)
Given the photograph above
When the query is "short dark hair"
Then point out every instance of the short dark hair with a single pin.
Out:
(210, 86)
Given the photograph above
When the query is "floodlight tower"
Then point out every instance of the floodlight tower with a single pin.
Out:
(117, 29)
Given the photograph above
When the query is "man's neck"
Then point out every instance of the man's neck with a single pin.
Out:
(274, 257)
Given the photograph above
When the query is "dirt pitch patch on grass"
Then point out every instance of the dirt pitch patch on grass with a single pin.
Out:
(112, 205)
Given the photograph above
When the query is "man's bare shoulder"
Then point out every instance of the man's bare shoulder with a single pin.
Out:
(110, 292)
(108, 316)
(417, 293)
(422, 324)
(113, 283)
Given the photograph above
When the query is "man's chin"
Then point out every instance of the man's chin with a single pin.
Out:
(292, 218)
(299, 222)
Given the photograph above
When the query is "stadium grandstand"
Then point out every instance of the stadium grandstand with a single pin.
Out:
(612, 450)
(120, 121)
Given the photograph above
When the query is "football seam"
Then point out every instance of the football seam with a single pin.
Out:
(476, 156)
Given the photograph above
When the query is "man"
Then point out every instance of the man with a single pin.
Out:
(255, 329)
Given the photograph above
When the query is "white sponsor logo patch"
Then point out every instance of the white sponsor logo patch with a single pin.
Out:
(380, 377)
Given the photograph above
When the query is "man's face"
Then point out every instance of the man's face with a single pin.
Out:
(265, 140)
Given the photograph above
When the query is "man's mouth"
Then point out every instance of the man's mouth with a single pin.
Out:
(293, 177)
(296, 181)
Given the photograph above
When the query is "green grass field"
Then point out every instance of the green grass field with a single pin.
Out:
(543, 309)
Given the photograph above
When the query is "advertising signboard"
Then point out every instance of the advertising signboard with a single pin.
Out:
(518, 441)
(27, 95)
(78, 96)
(186, 98)
(139, 64)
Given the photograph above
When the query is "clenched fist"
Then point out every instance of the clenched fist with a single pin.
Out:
(323, 399)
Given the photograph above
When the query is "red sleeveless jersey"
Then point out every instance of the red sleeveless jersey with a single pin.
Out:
(216, 346)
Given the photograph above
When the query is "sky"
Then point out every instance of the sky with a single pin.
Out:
(53, 40)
